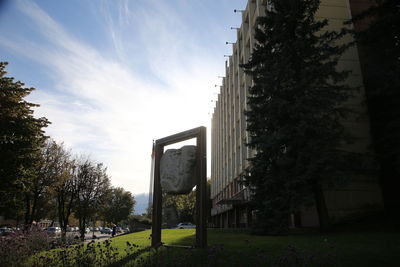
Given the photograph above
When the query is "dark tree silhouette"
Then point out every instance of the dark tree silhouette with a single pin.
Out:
(21, 140)
(294, 112)
(378, 38)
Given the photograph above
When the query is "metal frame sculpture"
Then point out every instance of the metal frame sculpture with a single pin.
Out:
(201, 184)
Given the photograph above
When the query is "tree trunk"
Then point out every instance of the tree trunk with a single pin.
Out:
(27, 210)
(34, 207)
(82, 226)
(60, 213)
(322, 210)
(64, 229)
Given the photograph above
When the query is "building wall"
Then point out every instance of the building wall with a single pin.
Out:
(229, 135)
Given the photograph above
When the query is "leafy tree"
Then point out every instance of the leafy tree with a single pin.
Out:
(294, 112)
(185, 205)
(378, 37)
(58, 181)
(117, 205)
(92, 184)
(54, 167)
(21, 139)
(137, 222)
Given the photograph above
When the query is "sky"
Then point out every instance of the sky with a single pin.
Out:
(113, 75)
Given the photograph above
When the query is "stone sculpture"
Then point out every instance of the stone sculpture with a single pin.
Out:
(177, 170)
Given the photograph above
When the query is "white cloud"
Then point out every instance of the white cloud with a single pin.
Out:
(102, 107)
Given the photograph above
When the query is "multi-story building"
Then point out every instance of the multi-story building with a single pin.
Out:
(229, 136)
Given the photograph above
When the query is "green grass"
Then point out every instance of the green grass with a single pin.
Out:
(347, 246)
(355, 245)
(142, 239)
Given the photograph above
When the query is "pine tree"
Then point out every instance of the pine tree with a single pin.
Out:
(379, 44)
(21, 139)
(294, 112)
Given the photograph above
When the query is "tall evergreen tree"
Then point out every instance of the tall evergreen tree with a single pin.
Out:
(21, 139)
(378, 40)
(294, 112)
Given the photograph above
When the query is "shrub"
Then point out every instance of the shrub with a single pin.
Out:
(91, 254)
(18, 246)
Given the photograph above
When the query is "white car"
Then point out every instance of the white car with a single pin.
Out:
(186, 225)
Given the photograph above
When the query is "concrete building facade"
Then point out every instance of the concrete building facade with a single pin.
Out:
(229, 152)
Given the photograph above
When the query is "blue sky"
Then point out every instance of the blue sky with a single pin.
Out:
(112, 75)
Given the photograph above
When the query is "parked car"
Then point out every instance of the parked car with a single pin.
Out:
(106, 230)
(54, 230)
(5, 231)
(185, 225)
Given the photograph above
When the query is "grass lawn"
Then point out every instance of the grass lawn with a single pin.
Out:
(376, 244)
(348, 246)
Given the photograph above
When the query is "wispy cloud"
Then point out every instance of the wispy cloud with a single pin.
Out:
(105, 107)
